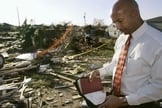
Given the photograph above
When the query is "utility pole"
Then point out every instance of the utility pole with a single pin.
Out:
(84, 17)
(18, 17)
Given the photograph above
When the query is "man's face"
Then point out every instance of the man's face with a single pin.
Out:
(122, 21)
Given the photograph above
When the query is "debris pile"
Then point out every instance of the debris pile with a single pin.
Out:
(43, 77)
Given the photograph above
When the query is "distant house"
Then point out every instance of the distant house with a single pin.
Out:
(156, 22)
(113, 31)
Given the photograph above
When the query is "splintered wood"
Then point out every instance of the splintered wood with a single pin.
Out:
(58, 41)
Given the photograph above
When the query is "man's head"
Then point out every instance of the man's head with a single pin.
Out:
(126, 15)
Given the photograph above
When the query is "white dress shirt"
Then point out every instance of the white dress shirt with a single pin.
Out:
(142, 75)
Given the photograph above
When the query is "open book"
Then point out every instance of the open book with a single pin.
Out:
(92, 90)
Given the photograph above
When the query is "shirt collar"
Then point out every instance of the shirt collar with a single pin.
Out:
(138, 33)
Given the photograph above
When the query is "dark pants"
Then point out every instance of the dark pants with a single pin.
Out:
(146, 105)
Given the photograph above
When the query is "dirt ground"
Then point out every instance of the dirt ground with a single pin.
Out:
(52, 91)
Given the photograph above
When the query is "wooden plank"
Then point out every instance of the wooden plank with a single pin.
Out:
(17, 70)
(62, 77)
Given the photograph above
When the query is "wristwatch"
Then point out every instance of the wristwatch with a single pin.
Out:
(124, 101)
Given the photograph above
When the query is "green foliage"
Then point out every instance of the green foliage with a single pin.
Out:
(4, 27)
(26, 33)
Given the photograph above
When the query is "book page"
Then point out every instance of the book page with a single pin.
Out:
(97, 97)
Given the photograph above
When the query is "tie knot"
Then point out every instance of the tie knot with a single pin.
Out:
(127, 43)
(128, 40)
(130, 36)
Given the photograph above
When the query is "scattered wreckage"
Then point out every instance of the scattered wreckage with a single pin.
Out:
(18, 88)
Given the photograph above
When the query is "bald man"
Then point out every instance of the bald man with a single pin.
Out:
(141, 80)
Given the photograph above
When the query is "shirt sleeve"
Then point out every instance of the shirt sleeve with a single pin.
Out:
(109, 67)
(153, 90)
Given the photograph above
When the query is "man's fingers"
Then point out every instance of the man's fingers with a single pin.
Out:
(94, 74)
(105, 104)
(101, 106)
(91, 75)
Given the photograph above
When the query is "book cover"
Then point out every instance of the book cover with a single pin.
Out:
(87, 86)
(92, 90)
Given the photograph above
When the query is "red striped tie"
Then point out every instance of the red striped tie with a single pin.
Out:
(120, 66)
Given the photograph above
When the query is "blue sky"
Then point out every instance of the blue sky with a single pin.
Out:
(59, 11)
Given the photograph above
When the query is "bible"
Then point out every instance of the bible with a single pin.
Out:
(91, 90)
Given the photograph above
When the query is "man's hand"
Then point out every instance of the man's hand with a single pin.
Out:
(112, 102)
(94, 74)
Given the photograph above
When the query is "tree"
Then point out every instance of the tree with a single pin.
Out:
(98, 22)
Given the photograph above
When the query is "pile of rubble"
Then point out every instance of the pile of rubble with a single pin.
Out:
(46, 81)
